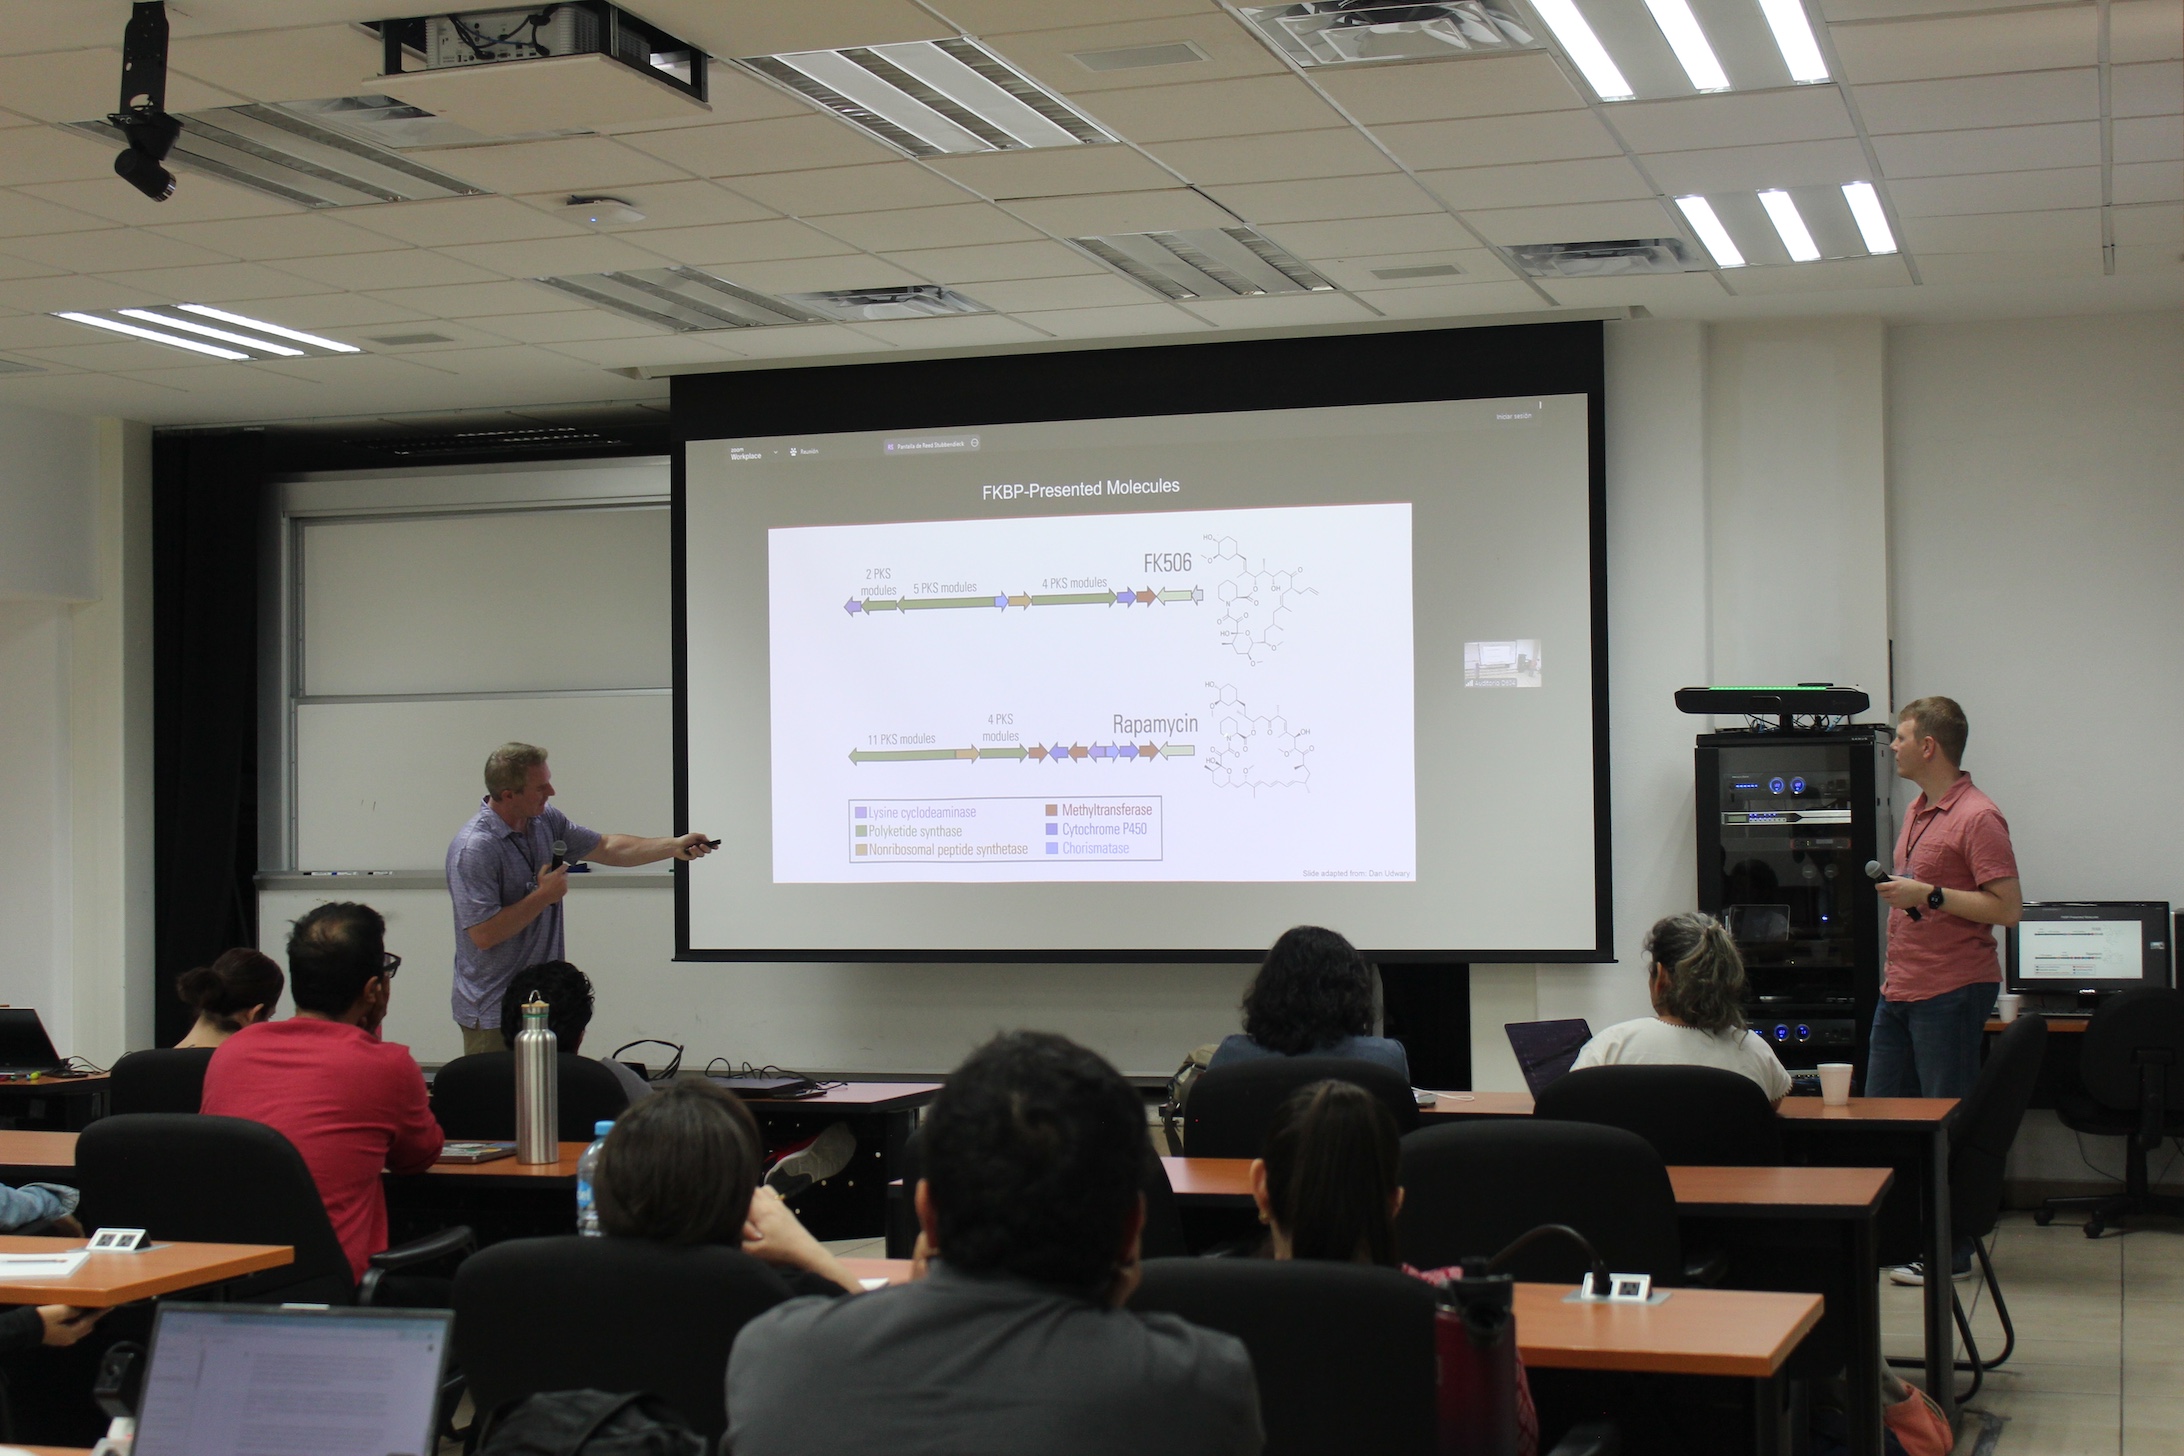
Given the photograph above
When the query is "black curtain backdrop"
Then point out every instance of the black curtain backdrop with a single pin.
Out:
(206, 494)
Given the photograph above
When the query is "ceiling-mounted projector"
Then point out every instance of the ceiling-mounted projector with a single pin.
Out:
(543, 32)
(545, 71)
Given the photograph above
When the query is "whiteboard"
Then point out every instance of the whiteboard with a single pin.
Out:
(384, 786)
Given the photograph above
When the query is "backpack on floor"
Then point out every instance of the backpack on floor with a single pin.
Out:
(589, 1423)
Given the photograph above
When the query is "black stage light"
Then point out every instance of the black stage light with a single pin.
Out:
(150, 136)
(143, 115)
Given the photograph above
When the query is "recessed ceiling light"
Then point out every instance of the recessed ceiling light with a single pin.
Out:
(333, 345)
(905, 301)
(1872, 220)
(1609, 258)
(1234, 262)
(1584, 49)
(1685, 38)
(1337, 35)
(189, 326)
(1417, 270)
(1789, 225)
(248, 338)
(1793, 37)
(1700, 213)
(687, 300)
(175, 340)
(932, 97)
(603, 211)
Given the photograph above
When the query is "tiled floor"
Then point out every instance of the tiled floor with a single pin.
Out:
(2099, 1366)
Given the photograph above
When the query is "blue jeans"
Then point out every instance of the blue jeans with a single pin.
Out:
(1929, 1048)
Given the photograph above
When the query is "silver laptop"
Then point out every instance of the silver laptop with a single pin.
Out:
(261, 1380)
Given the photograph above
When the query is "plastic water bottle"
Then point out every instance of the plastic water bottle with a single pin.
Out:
(587, 1212)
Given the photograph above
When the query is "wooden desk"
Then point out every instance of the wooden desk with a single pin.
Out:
(106, 1280)
(855, 1096)
(33, 1157)
(77, 1101)
(509, 1171)
(1477, 1104)
(2057, 1025)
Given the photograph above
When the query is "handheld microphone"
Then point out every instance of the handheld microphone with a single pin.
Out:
(1877, 875)
(561, 853)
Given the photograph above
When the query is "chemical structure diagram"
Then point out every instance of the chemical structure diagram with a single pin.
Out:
(1255, 751)
(1254, 600)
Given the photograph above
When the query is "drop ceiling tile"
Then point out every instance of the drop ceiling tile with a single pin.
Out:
(2150, 90)
(1229, 51)
(2014, 268)
(1122, 321)
(1997, 192)
(2004, 232)
(1996, 149)
(1460, 300)
(1666, 293)
(1733, 169)
(24, 268)
(930, 227)
(660, 348)
(2145, 30)
(59, 27)
(474, 300)
(1027, 295)
(334, 311)
(874, 187)
(292, 235)
(298, 64)
(1847, 10)
(455, 220)
(995, 17)
(1055, 171)
(564, 164)
(31, 154)
(400, 268)
(2144, 259)
(196, 199)
(1329, 199)
(216, 283)
(2149, 182)
(1001, 260)
(731, 94)
(1580, 222)
(1494, 141)
(1475, 265)
(1445, 90)
(739, 242)
(2020, 100)
(98, 356)
(21, 215)
(445, 334)
(1827, 276)
(783, 144)
(665, 205)
(808, 342)
(1359, 237)
(2149, 139)
(1280, 157)
(39, 331)
(961, 331)
(1596, 179)
(2160, 224)
(1747, 119)
(574, 326)
(597, 253)
(817, 275)
(1281, 311)
(1121, 212)
(78, 85)
(1211, 109)
(109, 249)
(1968, 45)
(764, 27)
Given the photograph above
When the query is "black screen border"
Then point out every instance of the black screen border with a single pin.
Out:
(1310, 372)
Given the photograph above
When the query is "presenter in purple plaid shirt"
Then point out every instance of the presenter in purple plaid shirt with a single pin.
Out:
(507, 890)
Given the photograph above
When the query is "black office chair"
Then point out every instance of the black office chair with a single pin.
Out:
(475, 1097)
(170, 1079)
(1473, 1188)
(190, 1178)
(613, 1314)
(2132, 1062)
(1231, 1107)
(1691, 1115)
(1162, 1237)
(1344, 1352)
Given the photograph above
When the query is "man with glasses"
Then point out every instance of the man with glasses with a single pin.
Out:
(351, 1103)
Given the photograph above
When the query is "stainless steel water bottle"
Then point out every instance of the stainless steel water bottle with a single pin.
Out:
(538, 1088)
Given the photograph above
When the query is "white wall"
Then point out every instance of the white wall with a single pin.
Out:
(47, 506)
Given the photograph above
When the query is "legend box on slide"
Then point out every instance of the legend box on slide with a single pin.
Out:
(1018, 829)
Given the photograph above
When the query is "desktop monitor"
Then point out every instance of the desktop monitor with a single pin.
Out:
(2087, 949)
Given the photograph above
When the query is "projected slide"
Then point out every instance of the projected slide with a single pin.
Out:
(1176, 696)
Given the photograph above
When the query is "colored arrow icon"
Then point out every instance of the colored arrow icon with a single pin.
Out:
(1182, 594)
(1036, 753)
(1078, 750)
(853, 606)
(1020, 600)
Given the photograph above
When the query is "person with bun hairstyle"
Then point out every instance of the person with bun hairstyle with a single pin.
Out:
(1313, 997)
(1696, 979)
(239, 989)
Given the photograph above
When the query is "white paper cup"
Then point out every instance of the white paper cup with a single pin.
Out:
(1835, 1083)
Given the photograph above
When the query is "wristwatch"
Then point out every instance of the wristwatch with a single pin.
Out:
(1933, 898)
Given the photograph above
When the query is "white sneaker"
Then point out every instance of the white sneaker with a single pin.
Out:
(815, 1162)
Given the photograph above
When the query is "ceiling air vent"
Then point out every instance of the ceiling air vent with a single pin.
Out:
(403, 341)
(1606, 259)
(683, 299)
(1233, 262)
(1340, 35)
(917, 300)
(1417, 270)
(274, 149)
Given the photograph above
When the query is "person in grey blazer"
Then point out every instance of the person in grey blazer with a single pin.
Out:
(1014, 1336)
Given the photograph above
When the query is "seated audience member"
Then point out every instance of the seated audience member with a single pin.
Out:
(1016, 1338)
(682, 1167)
(1696, 979)
(567, 993)
(352, 1104)
(240, 988)
(40, 1208)
(1327, 1189)
(1313, 997)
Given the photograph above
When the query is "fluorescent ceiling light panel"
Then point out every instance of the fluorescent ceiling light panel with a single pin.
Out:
(1584, 49)
(1865, 209)
(932, 97)
(1700, 213)
(334, 345)
(1789, 225)
(1793, 37)
(686, 300)
(1328, 35)
(1234, 262)
(1689, 43)
(897, 301)
(175, 340)
(247, 338)
(209, 332)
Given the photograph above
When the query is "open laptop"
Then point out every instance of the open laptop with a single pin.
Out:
(24, 1045)
(263, 1380)
(1546, 1049)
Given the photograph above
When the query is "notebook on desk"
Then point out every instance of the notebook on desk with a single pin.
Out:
(1546, 1049)
(227, 1378)
(24, 1045)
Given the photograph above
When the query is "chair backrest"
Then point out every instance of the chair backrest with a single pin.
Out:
(190, 1178)
(1474, 1188)
(612, 1314)
(1986, 1124)
(1231, 1107)
(1703, 1115)
(170, 1079)
(475, 1097)
(2132, 1030)
(1344, 1352)
(1163, 1234)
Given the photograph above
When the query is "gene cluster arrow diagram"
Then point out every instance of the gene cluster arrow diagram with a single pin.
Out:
(1074, 753)
(1142, 596)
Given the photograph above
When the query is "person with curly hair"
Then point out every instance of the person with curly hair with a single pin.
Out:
(1313, 997)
